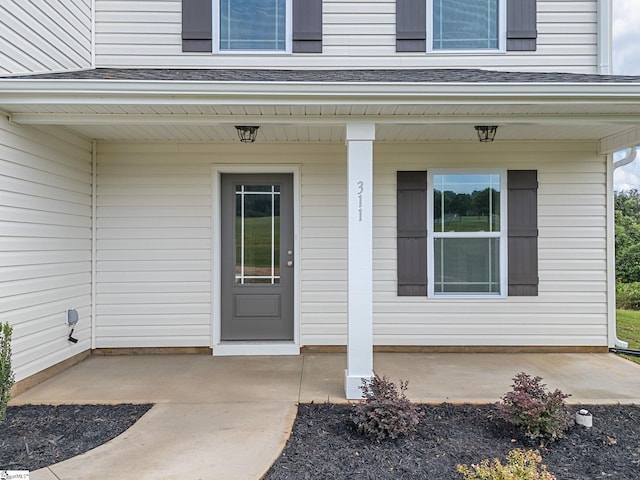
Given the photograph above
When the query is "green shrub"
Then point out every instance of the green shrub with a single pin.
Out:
(6, 373)
(521, 465)
(385, 411)
(542, 415)
(628, 296)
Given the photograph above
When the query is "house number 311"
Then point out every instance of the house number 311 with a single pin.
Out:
(360, 192)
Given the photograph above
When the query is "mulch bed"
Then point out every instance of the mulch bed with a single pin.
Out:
(325, 445)
(35, 436)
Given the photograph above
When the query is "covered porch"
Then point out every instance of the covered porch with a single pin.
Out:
(133, 125)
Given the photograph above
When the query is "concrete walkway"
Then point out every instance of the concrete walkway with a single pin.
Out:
(229, 417)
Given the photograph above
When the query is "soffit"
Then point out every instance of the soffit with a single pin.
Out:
(325, 123)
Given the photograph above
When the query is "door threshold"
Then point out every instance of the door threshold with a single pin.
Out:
(255, 348)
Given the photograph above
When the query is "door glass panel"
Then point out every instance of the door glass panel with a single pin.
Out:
(257, 233)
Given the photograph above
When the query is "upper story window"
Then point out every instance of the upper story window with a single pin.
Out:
(466, 24)
(253, 25)
(283, 26)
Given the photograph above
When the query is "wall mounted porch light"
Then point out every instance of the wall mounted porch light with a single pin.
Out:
(486, 133)
(247, 133)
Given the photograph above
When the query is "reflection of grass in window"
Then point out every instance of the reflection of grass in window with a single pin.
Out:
(257, 232)
(468, 224)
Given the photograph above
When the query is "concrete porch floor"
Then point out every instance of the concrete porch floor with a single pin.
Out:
(229, 417)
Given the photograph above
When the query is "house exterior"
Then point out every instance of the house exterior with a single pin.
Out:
(365, 215)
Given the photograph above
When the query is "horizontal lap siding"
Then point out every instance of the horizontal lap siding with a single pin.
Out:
(155, 240)
(356, 34)
(571, 308)
(48, 35)
(324, 250)
(154, 246)
(45, 245)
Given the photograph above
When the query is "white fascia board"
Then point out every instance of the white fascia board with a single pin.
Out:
(20, 91)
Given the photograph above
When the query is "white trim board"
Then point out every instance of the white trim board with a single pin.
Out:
(227, 349)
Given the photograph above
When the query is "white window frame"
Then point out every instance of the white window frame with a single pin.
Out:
(288, 34)
(502, 33)
(503, 234)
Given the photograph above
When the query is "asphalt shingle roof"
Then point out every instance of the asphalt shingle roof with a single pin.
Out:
(382, 76)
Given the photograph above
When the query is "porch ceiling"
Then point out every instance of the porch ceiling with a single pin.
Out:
(187, 111)
(274, 132)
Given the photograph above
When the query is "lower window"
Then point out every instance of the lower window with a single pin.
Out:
(467, 238)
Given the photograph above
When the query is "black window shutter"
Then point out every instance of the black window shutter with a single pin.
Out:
(412, 233)
(307, 26)
(522, 196)
(521, 25)
(411, 25)
(196, 26)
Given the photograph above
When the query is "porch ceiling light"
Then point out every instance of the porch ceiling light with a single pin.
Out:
(247, 133)
(486, 133)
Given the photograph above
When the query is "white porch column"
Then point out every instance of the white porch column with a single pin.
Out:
(360, 138)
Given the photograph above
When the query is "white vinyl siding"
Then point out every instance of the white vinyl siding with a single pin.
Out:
(45, 246)
(154, 247)
(155, 240)
(356, 34)
(323, 283)
(43, 36)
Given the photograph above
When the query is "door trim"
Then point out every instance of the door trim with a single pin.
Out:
(251, 348)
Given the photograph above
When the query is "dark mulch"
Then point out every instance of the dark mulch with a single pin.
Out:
(35, 436)
(324, 445)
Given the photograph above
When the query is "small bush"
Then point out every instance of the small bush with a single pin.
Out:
(521, 465)
(385, 411)
(6, 373)
(542, 415)
(628, 296)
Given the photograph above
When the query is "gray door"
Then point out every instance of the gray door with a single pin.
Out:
(257, 257)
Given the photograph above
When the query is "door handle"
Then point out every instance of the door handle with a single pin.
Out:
(290, 263)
